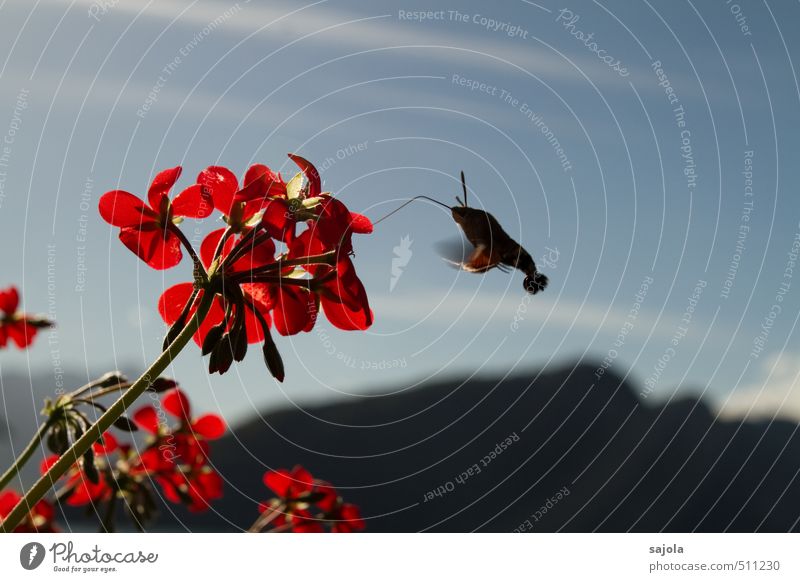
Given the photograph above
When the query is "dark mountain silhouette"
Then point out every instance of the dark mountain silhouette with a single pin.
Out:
(625, 465)
(579, 455)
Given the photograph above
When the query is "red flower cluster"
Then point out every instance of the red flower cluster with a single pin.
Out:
(255, 286)
(305, 505)
(39, 520)
(176, 458)
(20, 327)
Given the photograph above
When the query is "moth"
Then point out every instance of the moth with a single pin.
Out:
(493, 247)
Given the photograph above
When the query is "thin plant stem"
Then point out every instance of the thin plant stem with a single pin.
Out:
(266, 518)
(199, 269)
(24, 456)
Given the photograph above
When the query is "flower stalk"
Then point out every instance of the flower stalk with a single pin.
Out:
(24, 456)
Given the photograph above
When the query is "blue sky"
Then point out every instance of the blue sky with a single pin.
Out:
(98, 96)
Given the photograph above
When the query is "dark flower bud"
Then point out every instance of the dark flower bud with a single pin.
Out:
(160, 385)
(88, 466)
(272, 358)
(126, 424)
(213, 338)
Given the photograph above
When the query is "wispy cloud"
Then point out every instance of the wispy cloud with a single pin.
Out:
(319, 23)
(775, 392)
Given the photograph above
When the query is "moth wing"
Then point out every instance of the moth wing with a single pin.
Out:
(481, 260)
(454, 251)
(460, 254)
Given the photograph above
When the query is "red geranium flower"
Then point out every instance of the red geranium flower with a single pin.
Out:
(290, 485)
(80, 487)
(148, 229)
(194, 484)
(39, 520)
(177, 459)
(240, 205)
(335, 224)
(305, 505)
(343, 297)
(207, 426)
(343, 517)
(291, 309)
(295, 491)
(14, 324)
(237, 308)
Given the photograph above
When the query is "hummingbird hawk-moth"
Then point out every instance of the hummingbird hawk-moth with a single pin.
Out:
(493, 247)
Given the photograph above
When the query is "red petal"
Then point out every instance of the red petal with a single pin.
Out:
(307, 245)
(158, 248)
(173, 300)
(47, 462)
(344, 318)
(120, 208)
(346, 304)
(209, 246)
(276, 220)
(204, 488)
(161, 185)
(351, 519)
(291, 311)
(263, 296)
(9, 300)
(329, 498)
(313, 312)
(8, 500)
(279, 481)
(277, 187)
(209, 426)
(360, 224)
(170, 489)
(303, 480)
(256, 256)
(304, 522)
(177, 404)
(255, 333)
(153, 460)
(44, 509)
(146, 418)
(256, 183)
(109, 444)
(21, 332)
(86, 491)
(311, 173)
(194, 202)
(223, 185)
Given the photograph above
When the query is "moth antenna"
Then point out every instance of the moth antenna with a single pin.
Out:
(464, 187)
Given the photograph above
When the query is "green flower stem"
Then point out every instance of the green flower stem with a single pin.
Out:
(199, 269)
(76, 451)
(23, 458)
